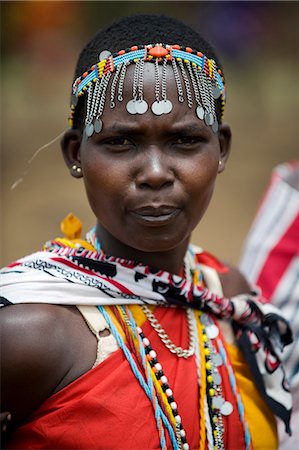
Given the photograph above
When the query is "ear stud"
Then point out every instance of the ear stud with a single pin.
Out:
(77, 169)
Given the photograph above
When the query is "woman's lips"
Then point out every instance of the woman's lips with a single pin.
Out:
(156, 216)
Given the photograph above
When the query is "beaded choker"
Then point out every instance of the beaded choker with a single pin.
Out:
(198, 80)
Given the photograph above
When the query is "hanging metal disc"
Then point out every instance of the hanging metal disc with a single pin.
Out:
(217, 379)
(89, 129)
(131, 107)
(217, 401)
(98, 125)
(200, 112)
(217, 359)
(104, 55)
(158, 108)
(212, 331)
(167, 106)
(208, 118)
(216, 92)
(215, 126)
(141, 106)
(226, 409)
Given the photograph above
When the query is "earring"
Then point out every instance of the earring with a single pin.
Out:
(220, 163)
(77, 169)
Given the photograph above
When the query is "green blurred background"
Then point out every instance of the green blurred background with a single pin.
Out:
(258, 45)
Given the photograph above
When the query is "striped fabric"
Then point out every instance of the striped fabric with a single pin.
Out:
(271, 261)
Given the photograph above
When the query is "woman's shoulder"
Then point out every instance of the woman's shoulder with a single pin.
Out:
(36, 342)
(233, 282)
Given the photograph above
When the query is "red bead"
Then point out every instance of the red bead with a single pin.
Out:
(189, 50)
(121, 52)
(158, 51)
(176, 47)
(134, 48)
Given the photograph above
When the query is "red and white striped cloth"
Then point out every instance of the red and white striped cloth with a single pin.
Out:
(271, 261)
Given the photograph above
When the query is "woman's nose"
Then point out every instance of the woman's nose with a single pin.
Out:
(155, 171)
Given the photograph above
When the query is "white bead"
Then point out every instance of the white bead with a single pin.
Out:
(158, 366)
(153, 354)
(186, 446)
(164, 379)
(146, 341)
(178, 419)
(168, 392)
(139, 330)
(173, 405)
(182, 433)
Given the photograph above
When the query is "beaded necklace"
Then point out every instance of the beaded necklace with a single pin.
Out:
(210, 355)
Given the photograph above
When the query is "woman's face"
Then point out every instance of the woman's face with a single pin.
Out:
(149, 179)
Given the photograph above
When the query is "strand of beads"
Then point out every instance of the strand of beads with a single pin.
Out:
(213, 381)
(143, 384)
(162, 379)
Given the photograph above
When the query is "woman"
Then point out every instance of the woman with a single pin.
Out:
(124, 339)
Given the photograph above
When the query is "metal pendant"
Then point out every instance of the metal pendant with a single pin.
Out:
(104, 55)
(216, 92)
(158, 108)
(131, 106)
(74, 101)
(217, 359)
(98, 125)
(200, 112)
(141, 106)
(217, 379)
(167, 106)
(217, 402)
(89, 129)
(226, 409)
(208, 118)
(215, 126)
(212, 331)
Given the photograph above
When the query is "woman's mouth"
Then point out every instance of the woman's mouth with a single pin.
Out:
(156, 216)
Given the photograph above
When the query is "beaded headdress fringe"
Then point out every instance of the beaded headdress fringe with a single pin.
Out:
(198, 80)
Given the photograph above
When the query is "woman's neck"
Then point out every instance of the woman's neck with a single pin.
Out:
(171, 260)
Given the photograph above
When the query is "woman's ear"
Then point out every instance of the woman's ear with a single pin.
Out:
(70, 146)
(225, 137)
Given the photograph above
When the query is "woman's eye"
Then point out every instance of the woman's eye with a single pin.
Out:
(119, 141)
(187, 140)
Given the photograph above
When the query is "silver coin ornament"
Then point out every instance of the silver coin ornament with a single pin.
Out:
(217, 379)
(215, 126)
(216, 92)
(74, 101)
(226, 409)
(167, 106)
(200, 112)
(217, 360)
(104, 55)
(212, 331)
(208, 118)
(217, 401)
(89, 129)
(98, 125)
(131, 106)
(158, 108)
(141, 106)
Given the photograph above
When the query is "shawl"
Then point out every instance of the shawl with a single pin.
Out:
(74, 275)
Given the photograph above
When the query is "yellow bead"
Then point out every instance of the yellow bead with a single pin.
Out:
(207, 351)
(214, 419)
(208, 365)
(209, 378)
(212, 392)
(204, 338)
(71, 227)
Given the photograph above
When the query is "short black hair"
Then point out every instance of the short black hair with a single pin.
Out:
(140, 29)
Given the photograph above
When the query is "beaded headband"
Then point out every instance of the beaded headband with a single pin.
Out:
(197, 78)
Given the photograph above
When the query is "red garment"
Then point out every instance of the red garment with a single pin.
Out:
(107, 409)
